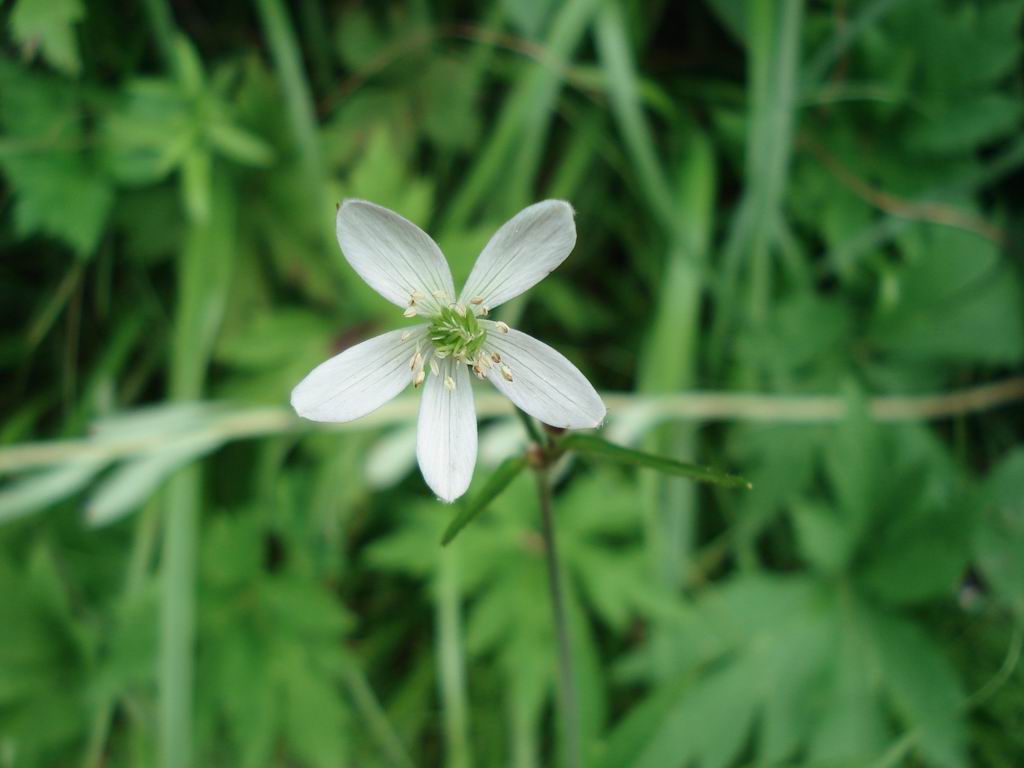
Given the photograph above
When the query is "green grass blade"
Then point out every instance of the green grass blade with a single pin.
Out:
(506, 472)
(594, 447)
(623, 89)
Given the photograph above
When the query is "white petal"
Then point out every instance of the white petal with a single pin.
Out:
(522, 253)
(394, 256)
(446, 432)
(360, 379)
(544, 383)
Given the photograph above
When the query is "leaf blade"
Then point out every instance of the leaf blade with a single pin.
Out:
(506, 472)
(600, 449)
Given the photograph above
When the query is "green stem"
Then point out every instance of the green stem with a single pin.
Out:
(146, 528)
(566, 675)
(161, 23)
(531, 427)
(376, 718)
(177, 618)
(450, 661)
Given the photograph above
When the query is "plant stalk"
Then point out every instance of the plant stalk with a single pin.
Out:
(451, 662)
(566, 675)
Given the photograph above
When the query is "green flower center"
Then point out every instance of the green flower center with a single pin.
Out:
(455, 332)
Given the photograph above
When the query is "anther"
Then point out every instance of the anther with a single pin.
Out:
(477, 300)
(416, 296)
(406, 336)
(417, 362)
(418, 379)
(461, 309)
(502, 327)
(433, 367)
(495, 357)
(437, 294)
(506, 373)
(410, 311)
(449, 383)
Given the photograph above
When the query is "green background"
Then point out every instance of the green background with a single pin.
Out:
(798, 250)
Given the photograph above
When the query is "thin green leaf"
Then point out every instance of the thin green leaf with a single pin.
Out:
(239, 144)
(36, 492)
(506, 472)
(597, 448)
(129, 486)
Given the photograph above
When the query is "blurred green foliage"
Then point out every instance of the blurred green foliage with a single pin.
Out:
(800, 199)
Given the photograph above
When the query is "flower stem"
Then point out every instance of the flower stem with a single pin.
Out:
(566, 676)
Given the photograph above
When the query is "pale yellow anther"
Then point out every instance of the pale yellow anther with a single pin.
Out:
(410, 311)
(502, 327)
(449, 383)
(417, 362)
(477, 300)
(416, 296)
(407, 335)
(438, 294)
(461, 309)
(434, 368)
(495, 357)
(418, 379)
(506, 373)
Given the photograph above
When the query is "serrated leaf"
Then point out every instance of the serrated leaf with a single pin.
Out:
(49, 26)
(825, 540)
(58, 189)
(506, 472)
(599, 449)
(999, 543)
(925, 689)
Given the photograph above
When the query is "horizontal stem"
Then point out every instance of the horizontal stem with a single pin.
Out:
(244, 423)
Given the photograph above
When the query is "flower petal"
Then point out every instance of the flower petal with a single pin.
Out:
(360, 379)
(522, 253)
(446, 432)
(543, 382)
(394, 256)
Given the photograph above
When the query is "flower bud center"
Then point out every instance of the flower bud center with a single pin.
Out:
(456, 333)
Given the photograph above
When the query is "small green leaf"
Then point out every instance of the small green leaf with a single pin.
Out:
(196, 172)
(189, 66)
(506, 472)
(239, 144)
(597, 448)
(50, 26)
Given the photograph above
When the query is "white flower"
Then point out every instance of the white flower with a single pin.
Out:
(405, 266)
